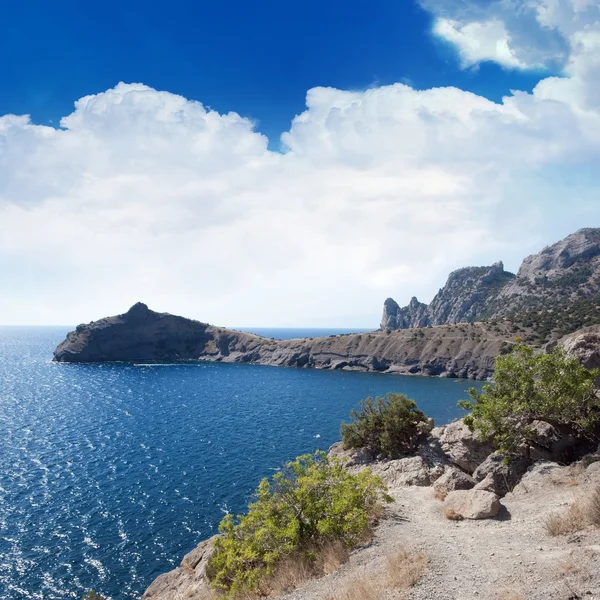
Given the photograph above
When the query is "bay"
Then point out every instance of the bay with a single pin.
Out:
(110, 473)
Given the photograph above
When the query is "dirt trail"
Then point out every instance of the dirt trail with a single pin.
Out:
(511, 557)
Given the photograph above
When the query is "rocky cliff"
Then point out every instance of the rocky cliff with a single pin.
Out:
(144, 335)
(141, 334)
(555, 292)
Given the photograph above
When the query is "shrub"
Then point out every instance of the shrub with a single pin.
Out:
(309, 505)
(390, 426)
(92, 595)
(526, 387)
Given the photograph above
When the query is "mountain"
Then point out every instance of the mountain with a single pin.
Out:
(143, 335)
(555, 292)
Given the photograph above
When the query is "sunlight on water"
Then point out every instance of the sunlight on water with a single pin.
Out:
(110, 473)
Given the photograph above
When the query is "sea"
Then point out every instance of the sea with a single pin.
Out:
(110, 473)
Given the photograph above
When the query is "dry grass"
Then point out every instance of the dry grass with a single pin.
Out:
(452, 515)
(297, 569)
(440, 493)
(583, 512)
(358, 588)
(405, 568)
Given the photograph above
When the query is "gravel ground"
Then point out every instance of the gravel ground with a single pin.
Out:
(511, 557)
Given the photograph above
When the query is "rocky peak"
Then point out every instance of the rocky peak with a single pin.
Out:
(557, 291)
(139, 309)
(577, 248)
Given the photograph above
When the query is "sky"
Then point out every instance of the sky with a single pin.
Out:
(286, 163)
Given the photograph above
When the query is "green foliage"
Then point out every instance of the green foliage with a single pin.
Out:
(312, 501)
(390, 426)
(526, 387)
(92, 595)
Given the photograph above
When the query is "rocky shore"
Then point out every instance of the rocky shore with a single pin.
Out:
(482, 524)
(140, 334)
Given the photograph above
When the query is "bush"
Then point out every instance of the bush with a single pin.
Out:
(526, 387)
(392, 426)
(312, 503)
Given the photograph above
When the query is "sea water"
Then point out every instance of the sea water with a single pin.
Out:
(110, 473)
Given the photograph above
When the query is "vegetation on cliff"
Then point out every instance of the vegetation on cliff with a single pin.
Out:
(313, 502)
(529, 387)
(391, 426)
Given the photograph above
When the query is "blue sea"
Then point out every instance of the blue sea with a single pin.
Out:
(110, 473)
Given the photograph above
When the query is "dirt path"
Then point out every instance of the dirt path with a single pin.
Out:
(511, 557)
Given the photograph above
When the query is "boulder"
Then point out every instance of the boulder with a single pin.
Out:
(471, 504)
(462, 446)
(352, 457)
(504, 475)
(586, 348)
(486, 484)
(452, 480)
(414, 470)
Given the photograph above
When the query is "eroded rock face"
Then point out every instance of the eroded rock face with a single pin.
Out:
(585, 346)
(504, 475)
(563, 274)
(471, 504)
(453, 479)
(142, 334)
(188, 580)
(463, 299)
(462, 446)
(413, 470)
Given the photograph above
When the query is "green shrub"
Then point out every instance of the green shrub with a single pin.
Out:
(92, 595)
(526, 387)
(313, 501)
(392, 426)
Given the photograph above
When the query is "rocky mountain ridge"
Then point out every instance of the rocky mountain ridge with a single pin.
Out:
(555, 292)
(142, 335)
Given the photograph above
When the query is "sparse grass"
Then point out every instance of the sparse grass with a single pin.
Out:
(583, 512)
(405, 568)
(297, 569)
(358, 588)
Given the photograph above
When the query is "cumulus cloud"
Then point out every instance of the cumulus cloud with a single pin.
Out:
(479, 42)
(145, 195)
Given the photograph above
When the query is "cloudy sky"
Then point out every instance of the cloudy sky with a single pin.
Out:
(287, 166)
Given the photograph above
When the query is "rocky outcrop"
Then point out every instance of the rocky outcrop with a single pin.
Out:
(502, 474)
(583, 246)
(453, 479)
(142, 335)
(584, 345)
(471, 504)
(188, 580)
(463, 299)
(555, 291)
(462, 446)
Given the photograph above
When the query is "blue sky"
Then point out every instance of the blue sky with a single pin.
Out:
(286, 164)
(257, 59)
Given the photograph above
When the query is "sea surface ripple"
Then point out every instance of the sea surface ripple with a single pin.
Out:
(110, 473)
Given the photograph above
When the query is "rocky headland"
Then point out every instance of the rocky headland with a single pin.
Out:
(140, 335)
(477, 315)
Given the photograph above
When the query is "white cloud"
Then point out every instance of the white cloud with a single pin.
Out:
(479, 42)
(145, 195)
